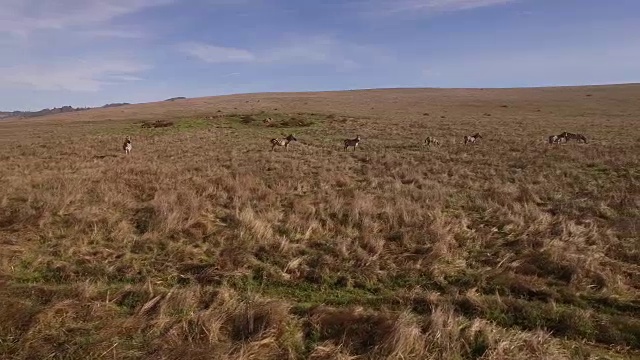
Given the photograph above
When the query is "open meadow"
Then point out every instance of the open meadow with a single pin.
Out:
(203, 243)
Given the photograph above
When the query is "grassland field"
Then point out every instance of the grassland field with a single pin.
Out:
(205, 244)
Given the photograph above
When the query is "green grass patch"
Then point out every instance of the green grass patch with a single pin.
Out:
(158, 127)
(277, 120)
(562, 320)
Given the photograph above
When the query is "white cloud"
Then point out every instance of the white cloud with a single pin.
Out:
(327, 50)
(115, 33)
(429, 72)
(314, 49)
(23, 17)
(84, 75)
(216, 54)
(311, 50)
(319, 50)
(388, 7)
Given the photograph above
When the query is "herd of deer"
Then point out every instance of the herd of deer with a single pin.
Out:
(429, 141)
(285, 142)
(566, 136)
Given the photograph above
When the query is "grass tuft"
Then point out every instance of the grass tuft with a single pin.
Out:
(203, 243)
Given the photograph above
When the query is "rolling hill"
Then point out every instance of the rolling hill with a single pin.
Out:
(204, 243)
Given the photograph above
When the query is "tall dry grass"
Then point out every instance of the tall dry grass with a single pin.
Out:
(205, 244)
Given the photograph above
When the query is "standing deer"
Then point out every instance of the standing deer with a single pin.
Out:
(351, 143)
(570, 136)
(471, 139)
(127, 146)
(431, 141)
(282, 142)
(554, 139)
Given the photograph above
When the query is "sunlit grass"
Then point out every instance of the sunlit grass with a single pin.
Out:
(204, 243)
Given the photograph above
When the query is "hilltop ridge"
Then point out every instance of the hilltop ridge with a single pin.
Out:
(372, 102)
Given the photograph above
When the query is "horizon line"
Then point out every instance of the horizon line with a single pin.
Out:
(345, 90)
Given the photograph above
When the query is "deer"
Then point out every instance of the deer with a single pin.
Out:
(570, 136)
(554, 139)
(471, 138)
(351, 143)
(127, 146)
(283, 142)
(431, 141)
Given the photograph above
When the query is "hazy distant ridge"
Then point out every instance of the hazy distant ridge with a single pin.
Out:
(44, 112)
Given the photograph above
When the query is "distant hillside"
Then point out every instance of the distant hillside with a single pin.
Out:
(416, 103)
(115, 105)
(44, 112)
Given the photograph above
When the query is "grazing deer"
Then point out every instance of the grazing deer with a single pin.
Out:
(431, 141)
(351, 143)
(127, 146)
(471, 139)
(283, 142)
(554, 139)
(564, 136)
(570, 136)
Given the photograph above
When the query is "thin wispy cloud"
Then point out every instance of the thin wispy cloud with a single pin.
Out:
(24, 17)
(318, 50)
(309, 50)
(135, 50)
(216, 54)
(390, 7)
(80, 75)
(115, 33)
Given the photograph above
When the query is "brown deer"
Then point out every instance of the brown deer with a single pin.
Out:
(127, 146)
(554, 139)
(352, 143)
(431, 141)
(283, 142)
(471, 138)
(570, 136)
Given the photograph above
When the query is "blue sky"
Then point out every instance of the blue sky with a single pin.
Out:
(92, 52)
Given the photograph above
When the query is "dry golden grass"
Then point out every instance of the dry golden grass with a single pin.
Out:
(205, 244)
